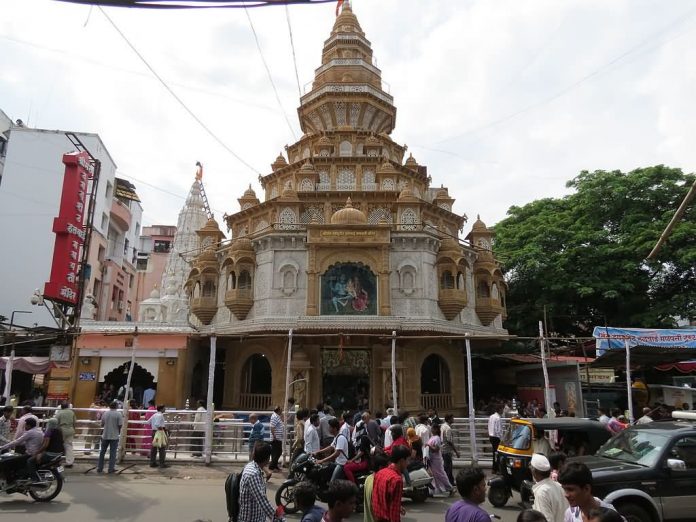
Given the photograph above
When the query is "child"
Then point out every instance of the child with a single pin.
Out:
(557, 461)
(305, 496)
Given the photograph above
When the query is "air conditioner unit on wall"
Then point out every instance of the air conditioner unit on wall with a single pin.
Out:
(120, 306)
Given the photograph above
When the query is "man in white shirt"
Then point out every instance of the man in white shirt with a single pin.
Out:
(198, 430)
(311, 437)
(26, 414)
(495, 433)
(423, 431)
(157, 423)
(338, 449)
(646, 418)
(549, 498)
(541, 443)
(603, 417)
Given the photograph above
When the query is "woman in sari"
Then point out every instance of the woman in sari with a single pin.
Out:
(437, 464)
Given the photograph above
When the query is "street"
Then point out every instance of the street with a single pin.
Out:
(148, 497)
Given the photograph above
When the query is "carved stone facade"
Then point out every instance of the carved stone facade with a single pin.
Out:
(348, 243)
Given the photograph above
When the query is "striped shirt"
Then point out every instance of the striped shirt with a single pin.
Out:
(277, 427)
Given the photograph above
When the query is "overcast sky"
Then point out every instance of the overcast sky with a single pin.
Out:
(503, 100)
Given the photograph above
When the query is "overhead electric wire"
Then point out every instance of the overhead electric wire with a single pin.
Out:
(292, 46)
(179, 100)
(607, 66)
(268, 72)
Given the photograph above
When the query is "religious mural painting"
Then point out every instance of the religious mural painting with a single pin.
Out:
(348, 289)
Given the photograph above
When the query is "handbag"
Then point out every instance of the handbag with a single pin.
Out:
(160, 439)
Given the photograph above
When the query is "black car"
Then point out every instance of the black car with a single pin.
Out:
(648, 472)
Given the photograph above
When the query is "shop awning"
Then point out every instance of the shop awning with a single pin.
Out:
(33, 365)
(681, 367)
(649, 347)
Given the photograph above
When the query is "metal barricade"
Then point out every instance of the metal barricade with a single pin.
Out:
(230, 434)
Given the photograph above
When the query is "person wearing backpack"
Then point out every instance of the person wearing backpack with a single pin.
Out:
(338, 448)
(253, 502)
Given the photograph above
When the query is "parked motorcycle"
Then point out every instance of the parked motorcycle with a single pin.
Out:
(420, 481)
(44, 489)
(305, 467)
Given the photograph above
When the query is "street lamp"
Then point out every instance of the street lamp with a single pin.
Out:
(10, 363)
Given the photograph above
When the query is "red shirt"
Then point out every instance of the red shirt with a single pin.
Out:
(386, 495)
(401, 441)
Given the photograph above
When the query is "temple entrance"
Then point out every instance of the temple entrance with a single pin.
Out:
(346, 379)
(140, 381)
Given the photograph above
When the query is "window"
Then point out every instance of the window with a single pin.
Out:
(109, 190)
(101, 253)
(408, 219)
(287, 219)
(482, 289)
(244, 280)
(126, 244)
(684, 449)
(209, 289)
(345, 149)
(141, 264)
(161, 246)
(446, 280)
(104, 221)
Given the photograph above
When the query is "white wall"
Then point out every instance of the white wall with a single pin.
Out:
(29, 200)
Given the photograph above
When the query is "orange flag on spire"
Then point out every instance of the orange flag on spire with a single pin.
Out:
(338, 6)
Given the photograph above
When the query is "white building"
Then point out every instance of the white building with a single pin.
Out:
(31, 180)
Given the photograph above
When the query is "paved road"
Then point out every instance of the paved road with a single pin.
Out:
(159, 498)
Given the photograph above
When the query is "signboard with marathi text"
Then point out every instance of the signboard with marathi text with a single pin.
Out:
(58, 390)
(68, 227)
(609, 338)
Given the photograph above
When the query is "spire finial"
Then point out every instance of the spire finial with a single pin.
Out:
(199, 171)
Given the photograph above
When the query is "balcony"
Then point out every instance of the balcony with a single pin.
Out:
(451, 301)
(436, 401)
(255, 402)
(239, 301)
(120, 215)
(204, 308)
(488, 309)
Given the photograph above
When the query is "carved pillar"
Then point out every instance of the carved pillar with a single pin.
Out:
(384, 290)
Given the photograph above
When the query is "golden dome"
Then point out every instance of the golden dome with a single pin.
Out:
(407, 194)
(348, 216)
(279, 163)
(411, 161)
(386, 167)
(307, 167)
(442, 194)
(479, 226)
(211, 226)
(249, 193)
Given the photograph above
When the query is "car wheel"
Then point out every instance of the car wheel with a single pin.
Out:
(634, 513)
(497, 496)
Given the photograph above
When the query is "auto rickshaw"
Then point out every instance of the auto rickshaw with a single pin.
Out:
(574, 437)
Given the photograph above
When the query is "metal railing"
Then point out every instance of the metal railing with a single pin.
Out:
(436, 401)
(255, 401)
(230, 434)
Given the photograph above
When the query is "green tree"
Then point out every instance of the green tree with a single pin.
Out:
(583, 256)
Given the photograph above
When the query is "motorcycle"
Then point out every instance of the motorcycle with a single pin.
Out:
(305, 467)
(44, 489)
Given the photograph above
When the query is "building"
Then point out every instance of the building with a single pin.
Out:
(349, 242)
(154, 247)
(163, 358)
(30, 187)
(31, 181)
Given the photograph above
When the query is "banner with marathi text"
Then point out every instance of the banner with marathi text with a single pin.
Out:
(609, 338)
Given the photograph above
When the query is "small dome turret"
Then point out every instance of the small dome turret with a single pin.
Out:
(348, 215)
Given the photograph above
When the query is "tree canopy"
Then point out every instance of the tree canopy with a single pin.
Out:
(583, 256)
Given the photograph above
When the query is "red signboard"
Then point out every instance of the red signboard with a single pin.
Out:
(69, 229)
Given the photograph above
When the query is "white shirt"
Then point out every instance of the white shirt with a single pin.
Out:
(604, 419)
(311, 439)
(199, 418)
(550, 500)
(645, 419)
(542, 446)
(423, 431)
(388, 439)
(157, 421)
(345, 430)
(573, 514)
(340, 443)
(495, 426)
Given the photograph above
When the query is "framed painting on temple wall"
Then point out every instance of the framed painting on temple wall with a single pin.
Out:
(348, 289)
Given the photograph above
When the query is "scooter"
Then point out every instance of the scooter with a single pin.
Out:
(420, 480)
(44, 489)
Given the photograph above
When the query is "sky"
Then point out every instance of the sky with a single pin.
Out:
(504, 101)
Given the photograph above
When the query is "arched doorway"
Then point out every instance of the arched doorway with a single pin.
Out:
(140, 381)
(256, 382)
(436, 391)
